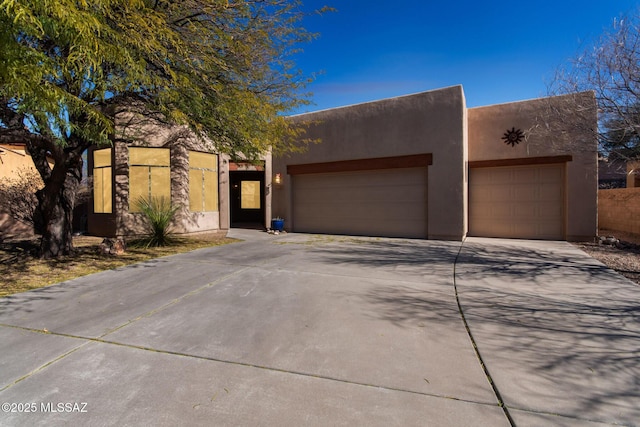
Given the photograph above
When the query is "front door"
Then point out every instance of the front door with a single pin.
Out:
(247, 198)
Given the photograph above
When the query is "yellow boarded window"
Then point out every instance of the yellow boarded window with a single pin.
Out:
(210, 190)
(102, 188)
(149, 175)
(149, 156)
(250, 195)
(102, 158)
(203, 182)
(203, 160)
(196, 200)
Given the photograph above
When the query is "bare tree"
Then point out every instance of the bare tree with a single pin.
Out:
(610, 67)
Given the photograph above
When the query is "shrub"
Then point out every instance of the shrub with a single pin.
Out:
(158, 213)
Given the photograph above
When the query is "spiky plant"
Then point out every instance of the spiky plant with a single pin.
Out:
(158, 213)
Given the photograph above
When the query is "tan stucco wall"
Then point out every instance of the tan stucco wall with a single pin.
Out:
(619, 209)
(14, 158)
(563, 125)
(133, 133)
(429, 122)
(185, 221)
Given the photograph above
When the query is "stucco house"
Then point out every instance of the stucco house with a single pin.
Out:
(149, 158)
(417, 166)
(15, 159)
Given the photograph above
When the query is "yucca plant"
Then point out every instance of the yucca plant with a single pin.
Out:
(158, 213)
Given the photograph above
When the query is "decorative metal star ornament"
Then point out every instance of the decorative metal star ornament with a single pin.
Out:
(513, 136)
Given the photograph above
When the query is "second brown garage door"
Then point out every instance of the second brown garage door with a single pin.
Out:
(517, 202)
(391, 203)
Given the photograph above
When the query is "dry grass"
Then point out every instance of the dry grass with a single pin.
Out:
(21, 271)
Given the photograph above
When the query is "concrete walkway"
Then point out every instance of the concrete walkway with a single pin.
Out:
(326, 330)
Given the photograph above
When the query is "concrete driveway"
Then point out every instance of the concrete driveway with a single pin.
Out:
(327, 330)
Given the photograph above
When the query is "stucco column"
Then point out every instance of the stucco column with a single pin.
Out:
(121, 186)
(223, 191)
(180, 186)
(268, 190)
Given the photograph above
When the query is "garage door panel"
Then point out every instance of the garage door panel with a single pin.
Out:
(517, 202)
(550, 194)
(379, 203)
(343, 196)
(356, 195)
(357, 212)
(325, 219)
(382, 178)
(523, 175)
(522, 193)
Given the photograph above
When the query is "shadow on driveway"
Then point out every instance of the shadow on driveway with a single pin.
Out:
(558, 331)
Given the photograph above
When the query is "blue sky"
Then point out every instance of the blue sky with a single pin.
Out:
(499, 51)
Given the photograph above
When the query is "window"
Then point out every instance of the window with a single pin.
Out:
(102, 198)
(149, 175)
(250, 195)
(203, 182)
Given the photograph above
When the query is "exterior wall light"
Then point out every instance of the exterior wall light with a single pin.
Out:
(277, 179)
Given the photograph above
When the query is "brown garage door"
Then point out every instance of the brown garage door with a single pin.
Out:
(517, 202)
(391, 202)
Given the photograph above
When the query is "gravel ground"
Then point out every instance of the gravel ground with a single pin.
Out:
(623, 257)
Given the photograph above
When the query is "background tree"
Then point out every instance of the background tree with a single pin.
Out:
(611, 68)
(66, 67)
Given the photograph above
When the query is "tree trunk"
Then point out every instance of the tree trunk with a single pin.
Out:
(55, 210)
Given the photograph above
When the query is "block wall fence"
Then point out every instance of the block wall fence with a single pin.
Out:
(619, 210)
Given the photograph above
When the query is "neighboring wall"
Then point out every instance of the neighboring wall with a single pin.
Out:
(619, 209)
(14, 158)
(554, 126)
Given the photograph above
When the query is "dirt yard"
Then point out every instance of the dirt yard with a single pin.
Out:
(623, 257)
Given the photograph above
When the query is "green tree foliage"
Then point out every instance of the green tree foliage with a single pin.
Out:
(222, 67)
(611, 68)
